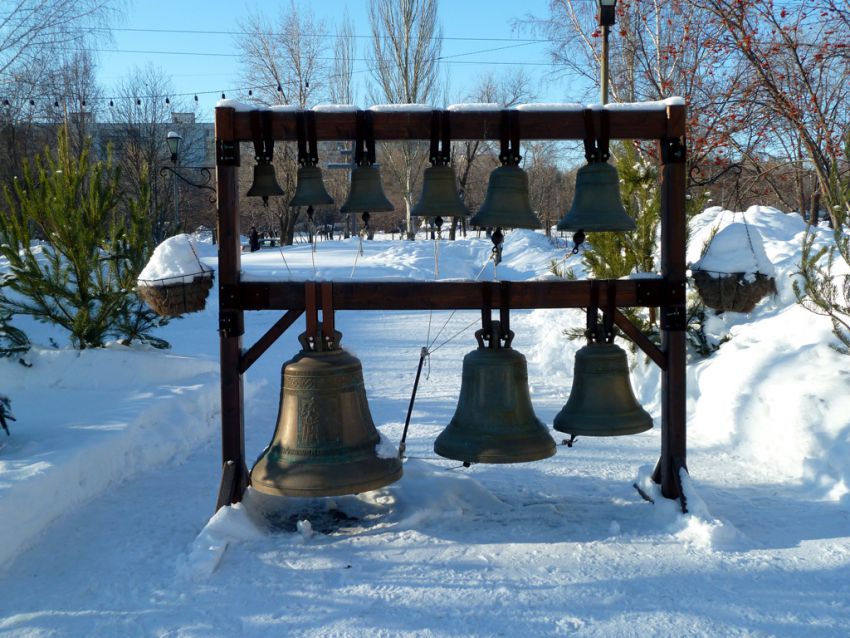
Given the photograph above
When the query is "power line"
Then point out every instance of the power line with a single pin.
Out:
(315, 35)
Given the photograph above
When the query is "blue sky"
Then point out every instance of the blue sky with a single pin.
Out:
(206, 64)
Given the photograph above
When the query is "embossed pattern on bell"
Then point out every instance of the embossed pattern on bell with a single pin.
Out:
(325, 440)
(494, 421)
(601, 401)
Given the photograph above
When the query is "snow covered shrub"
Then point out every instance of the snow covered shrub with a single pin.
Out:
(75, 244)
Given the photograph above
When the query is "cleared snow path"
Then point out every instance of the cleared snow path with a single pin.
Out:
(563, 546)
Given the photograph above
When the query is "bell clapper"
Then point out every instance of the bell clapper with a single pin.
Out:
(578, 240)
(570, 441)
(364, 232)
(498, 240)
(438, 223)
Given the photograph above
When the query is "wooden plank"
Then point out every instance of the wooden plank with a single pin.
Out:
(673, 344)
(230, 319)
(431, 295)
(264, 343)
(646, 124)
(649, 348)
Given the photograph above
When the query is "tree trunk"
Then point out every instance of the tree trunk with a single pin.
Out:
(814, 207)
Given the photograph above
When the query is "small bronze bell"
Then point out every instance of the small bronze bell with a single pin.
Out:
(325, 440)
(366, 193)
(440, 197)
(601, 401)
(494, 421)
(597, 206)
(507, 203)
(265, 183)
(310, 189)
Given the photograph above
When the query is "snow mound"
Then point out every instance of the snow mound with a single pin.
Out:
(737, 248)
(175, 258)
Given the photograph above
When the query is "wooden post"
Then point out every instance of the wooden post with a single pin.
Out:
(231, 318)
(666, 293)
(673, 313)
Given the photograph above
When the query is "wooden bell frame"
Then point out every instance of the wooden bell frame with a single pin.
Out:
(662, 123)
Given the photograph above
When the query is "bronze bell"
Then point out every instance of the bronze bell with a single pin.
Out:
(601, 401)
(506, 204)
(597, 206)
(366, 193)
(494, 421)
(265, 183)
(310, 189)
(325, 440)
(440, 197)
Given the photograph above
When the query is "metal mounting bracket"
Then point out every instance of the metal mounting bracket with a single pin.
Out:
(673, 150)
(226, 153)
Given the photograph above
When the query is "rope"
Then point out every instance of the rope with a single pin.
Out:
(425, 353)
(280, 249)
(356, 257)
(194, 252)
(437, 336)
(454, 336)
(313, 243)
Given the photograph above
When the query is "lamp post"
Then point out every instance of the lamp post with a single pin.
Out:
(172, 139)
(607, 15)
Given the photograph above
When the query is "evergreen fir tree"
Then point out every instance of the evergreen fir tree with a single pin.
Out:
(94, 240)
(820, 289)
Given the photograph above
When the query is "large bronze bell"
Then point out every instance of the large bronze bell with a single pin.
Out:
(325, 440)
(310, 189)
(601, 401)
(265, 182)
(366, 193)
(494, 421)
(597, 206)
(507, 203)
(440, 197)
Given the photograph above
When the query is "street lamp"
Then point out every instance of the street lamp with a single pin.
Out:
(172, 140)
(607, 15)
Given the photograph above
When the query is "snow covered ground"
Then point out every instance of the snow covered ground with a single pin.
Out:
(108, 481)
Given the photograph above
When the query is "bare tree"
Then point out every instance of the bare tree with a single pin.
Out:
(32, 31)
(797, 74)
(342, 71)
(406, 45)
(509, 90)
(42, 63)
(140, 119)
(284, 61)
(658, 49)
